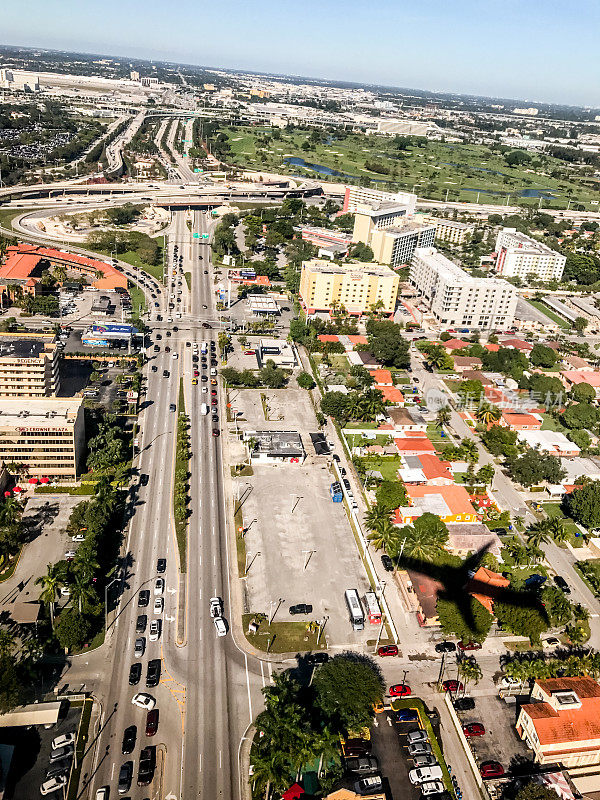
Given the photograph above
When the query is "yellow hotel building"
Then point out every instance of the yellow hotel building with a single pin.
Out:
(357, 286)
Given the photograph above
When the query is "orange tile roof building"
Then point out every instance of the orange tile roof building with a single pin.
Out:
(23, 261)
(391, 394)
(519, 421)
(484, 584)
(449, 503)
(563, 723)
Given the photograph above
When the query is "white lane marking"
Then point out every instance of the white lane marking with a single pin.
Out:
(220, 759)
(262, 672)
(199, 762)
(112, 772)
(270, 670)
(248, 687)
(215, 560)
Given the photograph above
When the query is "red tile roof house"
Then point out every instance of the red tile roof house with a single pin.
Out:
(573, 377)
(454, 344)
(413, 445)
(518, 344)
(493, 348)
(391, 394)
(518, 421)
(383, 377)
(461, 363)
(426, 469)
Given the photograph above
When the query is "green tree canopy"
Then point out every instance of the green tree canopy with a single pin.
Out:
(500, 441)
(534, 467)
(582, 393)
(387, 343)
(391, 495)
(521, 620)
(580, 415)
(346, 688)
(453, 622)
(305, 381)
(72, 629)
(584, 505)
(542, 356)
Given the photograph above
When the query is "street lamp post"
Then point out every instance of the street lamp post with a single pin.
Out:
(298, 498)
(274, 604)
(307, 556)
(106, 588)
(250, 561)
(322, 624)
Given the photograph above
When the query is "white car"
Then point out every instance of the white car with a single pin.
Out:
(159, 604)
(102, 793)
(63, 740)
(216, 607)
(550, 643)
(79, 537)
(175, 355)
(220, 626)
(143, 700)
(53, 784)
(159, 586)
(431, 787)
(155, 629)
(507, 683)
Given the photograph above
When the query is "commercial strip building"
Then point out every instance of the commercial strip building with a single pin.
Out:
(359, 287)
(518, 255)
(29, 365)
(356, 196)
(24, 264)
(47, 435)
(455, 298)
(275, 446)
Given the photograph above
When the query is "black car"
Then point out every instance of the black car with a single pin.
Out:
(336, 457)
(146, 768)
(165, 373)
(125, 775)
(135, 673)
(342, 471)
(301, 608)
(153, 673)
(464, 703)
(161, 565)
(141, 622)
(154, 368)
(129, 737)
(156, 348)
(445, 647)
(144, 478)
(195, 359)
(347, 484)
(387, 563)
(215, 417)
(562, 584)
(143, 598)
(172, 407)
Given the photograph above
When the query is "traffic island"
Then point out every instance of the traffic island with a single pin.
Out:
(282, 637)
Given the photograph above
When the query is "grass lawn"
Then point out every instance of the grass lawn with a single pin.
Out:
(551, 424)
(339, 362)
(183, 464)
(138, 300)
(549, 313)
(8, 214)
(387, 465)
(554, 510)
(362, 425)
(188, 280)
(283, 637)
(131, 257)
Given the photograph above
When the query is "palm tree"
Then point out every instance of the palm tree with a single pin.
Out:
(376, 516)
(385, 537)
(369, 404)
(82, 591)
(50, 583)
(59, 273)
(537, 534)
(469, 670)
(488, 414)
(422, 544)
(557, 530)
(470, 450)
(443, 416)
(11, 512)
(85, 564)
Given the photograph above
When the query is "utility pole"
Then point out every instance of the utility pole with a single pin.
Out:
(307, 556)
(250, 561)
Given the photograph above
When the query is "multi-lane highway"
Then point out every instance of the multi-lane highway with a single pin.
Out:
(210, 690)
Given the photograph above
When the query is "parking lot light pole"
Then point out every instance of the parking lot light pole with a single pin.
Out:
(307, 556)
(275, 604)
(298, 498)
(250, 561)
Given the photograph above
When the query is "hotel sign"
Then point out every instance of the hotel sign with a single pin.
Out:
(44, 430)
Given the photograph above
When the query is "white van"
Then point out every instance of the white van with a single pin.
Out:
(204, 409)
(422, 774)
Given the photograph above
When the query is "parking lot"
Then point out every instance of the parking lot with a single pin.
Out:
(281, 409)
(500, 742)
(388, 747)
(31, 756)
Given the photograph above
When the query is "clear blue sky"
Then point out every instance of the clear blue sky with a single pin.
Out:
(544, 50)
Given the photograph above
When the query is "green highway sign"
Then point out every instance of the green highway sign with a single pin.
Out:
(196, 235)
(205, 235)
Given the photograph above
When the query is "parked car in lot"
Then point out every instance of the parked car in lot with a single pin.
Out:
(152, 722)
(135, 673)
(464, 703)
(143, 700)
(125, 775)
(129, 739)
(406, 715)
(491, 769)
(422, 774)
(61, 752)
(419, 749)
(61, 767)
(468, 646)
(387, 563)
(63, 740)
(431, 787)
(399, 690)
(53, 785)
(301, 608)
(452, 685)
(369, 785)
(473, 729)
(424, 761)
(388, 650)
(445, 647)
(550, 642)
(357, 747)
(417, 736)
(364, 765)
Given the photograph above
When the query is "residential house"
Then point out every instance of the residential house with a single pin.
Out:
(406, 419)
(572, 377)
(465, 539)
(518, 344)
(462, 363)
(382, 377)
(520, 421)
(485, 585)
(454, 344)
(449, 503)
(425, 469)
(562, 724)
(578, 364)
(476, 375)
(414, 444)
(551, 442)
(391, 394)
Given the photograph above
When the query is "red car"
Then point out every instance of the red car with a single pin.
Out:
(152, 722)
(491, 769)
(452, 686)
(196, 373)
(400, 690)
(388, 650)
(216, 432)
(464, 646)
(473, 729)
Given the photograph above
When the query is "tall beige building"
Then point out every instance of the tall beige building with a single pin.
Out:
(46, 435)
(390, 234)
(29, 365)
(358, 287)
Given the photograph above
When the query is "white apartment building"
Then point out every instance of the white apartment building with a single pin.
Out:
(518, 256)
(450, 230)
(455, 298)
(360, 195)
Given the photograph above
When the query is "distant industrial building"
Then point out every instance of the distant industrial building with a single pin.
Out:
(29, 365)
(518, 255)
(404, 127)
(46, 435)
(358, 287)
(455, 298)
(356, 196)
(19, 80)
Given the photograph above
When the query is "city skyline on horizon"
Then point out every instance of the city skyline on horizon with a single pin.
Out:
(518, 71)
